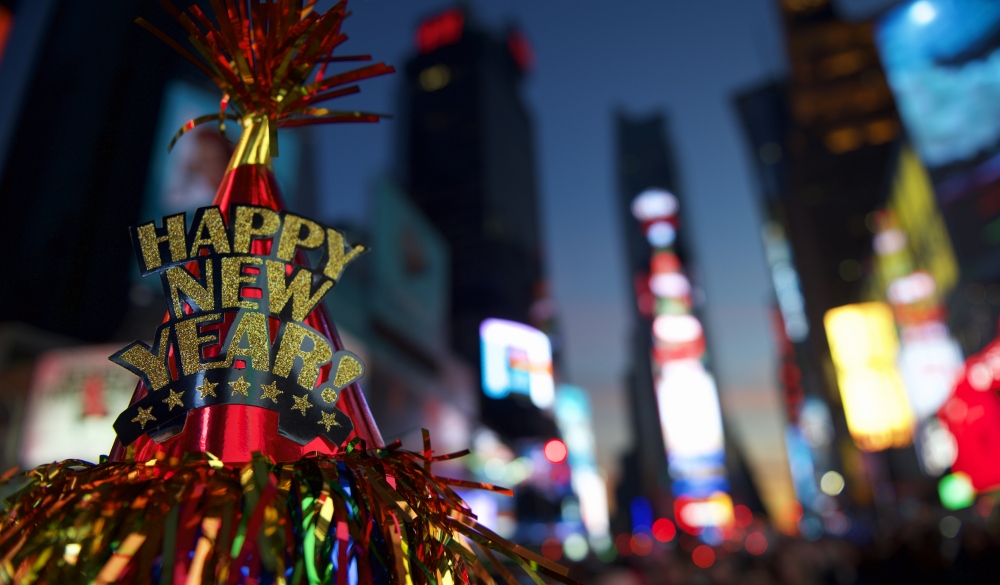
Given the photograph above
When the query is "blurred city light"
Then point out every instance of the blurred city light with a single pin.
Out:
(661, 234)
(703, 556)
(516, 358)
(664, 530)
(864, 348)
(950, 526)
(555, 451)
(832, 483)
(689, 409)
(956, 491)
(654, 204)
(756, 543)
(923, 12)
(575, 547)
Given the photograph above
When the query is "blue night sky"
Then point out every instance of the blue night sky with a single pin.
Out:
(684, 58)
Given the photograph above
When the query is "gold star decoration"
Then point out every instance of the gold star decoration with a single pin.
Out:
(329, 421)
(207, 388)
(240, 386)
(301, 404)
(174, 399)
(145, 415)
(271, 391)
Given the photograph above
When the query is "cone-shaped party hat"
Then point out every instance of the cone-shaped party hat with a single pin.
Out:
(248, 454)
(270, 61)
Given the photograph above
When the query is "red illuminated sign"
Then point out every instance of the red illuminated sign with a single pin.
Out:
(972, 414)
(6, 22)
(521, 51)
(440, 30)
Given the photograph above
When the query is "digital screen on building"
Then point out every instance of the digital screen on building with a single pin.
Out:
(74, 398)
(865, 347)
(188, 176)
(941, 58)
(516, 359)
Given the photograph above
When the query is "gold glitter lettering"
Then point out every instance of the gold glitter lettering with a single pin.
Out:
(279, 290)
(150, 240)
(338, 255)
(233, 279)
(152, 365)
(244, 229)
(252, 326)
(291, 236)
(329, 395)
(217, 238)
(179, 280)
(291, 348)
(189, 343)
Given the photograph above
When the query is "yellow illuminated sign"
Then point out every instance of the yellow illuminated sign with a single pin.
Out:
(913, 203)
(864, 345)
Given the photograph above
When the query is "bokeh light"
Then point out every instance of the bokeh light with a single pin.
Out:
(556, 451)
(664, 530)
(703, 556)
(756, 543)
(832, 483)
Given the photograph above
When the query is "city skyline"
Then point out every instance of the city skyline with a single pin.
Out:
(573, 92)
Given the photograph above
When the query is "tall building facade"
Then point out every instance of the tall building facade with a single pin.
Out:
(644, 161)
(468, 162)
(824, 142)
(679, 441)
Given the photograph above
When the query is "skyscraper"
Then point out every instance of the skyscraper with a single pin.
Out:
(644, 161)
(468, 163)
(674, 399)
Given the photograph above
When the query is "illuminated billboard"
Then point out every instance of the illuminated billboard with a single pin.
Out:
(864, 347)
(410, 270)
(940, 57)
(575, 420)
(689, 412)
(972, 416)
(74, 398)
(516, 359)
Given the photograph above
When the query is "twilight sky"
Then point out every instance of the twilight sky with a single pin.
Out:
(684, 58)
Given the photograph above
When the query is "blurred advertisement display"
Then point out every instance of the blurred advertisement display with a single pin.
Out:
(942, 60)
(915, 266)
(785, 278)
(972, 416)
(517, 358)
(686, 394)
(74, 398)
(696, 514)
(864, 347)
(943, 63)
(575, 420)
(411, 274)
(187, 177)
(690, 412)
(800, 461)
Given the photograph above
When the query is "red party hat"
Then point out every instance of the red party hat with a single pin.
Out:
(270, 61)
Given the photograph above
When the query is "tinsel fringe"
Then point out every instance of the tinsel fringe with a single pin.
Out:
(366, 516)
